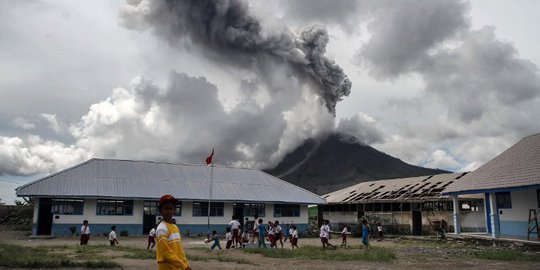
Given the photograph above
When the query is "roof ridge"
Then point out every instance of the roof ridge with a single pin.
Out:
(176, 163)
(57, 173)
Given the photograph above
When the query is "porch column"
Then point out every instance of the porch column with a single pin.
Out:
(457, 215)
(494, 215)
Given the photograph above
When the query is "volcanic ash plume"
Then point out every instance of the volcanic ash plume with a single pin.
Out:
(227, 32)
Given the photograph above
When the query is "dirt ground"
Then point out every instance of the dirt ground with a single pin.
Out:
(410, 255)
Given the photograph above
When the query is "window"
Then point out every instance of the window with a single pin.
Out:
(387, 207)
(377, 207)
(254, 209)
(286, 210)
(200, 209)
(67, 206)
(369, 207)
(503, 200)
(114, 207)
(427, 206)
(151, 208)
(444, 206)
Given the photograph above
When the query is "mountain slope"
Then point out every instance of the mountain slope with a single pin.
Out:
(339, 161)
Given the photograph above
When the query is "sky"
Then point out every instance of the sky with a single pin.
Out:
(440, 84)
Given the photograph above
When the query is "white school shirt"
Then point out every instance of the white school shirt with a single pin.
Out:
(379, 228)
(234, 224)
(85, 229)
(228, 236)
(345, 231)
(271, 230)
(152, 232)
(291, 230)
(255, 227)
(325, 231)
(294, 234)
(112, 236)
(278, 229)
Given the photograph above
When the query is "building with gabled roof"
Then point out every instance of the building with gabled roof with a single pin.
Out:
(510, 183)
(125, 192)
(413, 204)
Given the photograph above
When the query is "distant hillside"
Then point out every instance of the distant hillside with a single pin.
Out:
(340, 161)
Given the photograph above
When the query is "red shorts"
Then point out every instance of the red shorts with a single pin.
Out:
(324, 240)
(256, 234)
(344, 236)
(279, 236)
(272, 238)
(294, 241)
(151, 240)
(229, 244)
(235, 233)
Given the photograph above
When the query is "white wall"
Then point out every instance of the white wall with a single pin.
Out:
(522, 201)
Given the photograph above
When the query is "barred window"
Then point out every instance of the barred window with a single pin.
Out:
(67, 206)
(151, 208)
(254, 209)
(286, 210)
(114, 207)
(200, 209)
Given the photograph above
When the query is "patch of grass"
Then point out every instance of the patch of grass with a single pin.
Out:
(375, 254)
(137, 253)
(198, 258)
(222, 258)
(14, 256)
(505, 255)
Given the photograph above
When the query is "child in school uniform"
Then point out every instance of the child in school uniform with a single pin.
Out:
(325, 235)
(245, 238)
(169, 252)
(85, 233)
(294, 237)
(380, 232)
(365, 234)
(229, 238)
(344, 234)
(112, 236)
(256, 229)
(279, 233)
(151, 238)
(271, 234)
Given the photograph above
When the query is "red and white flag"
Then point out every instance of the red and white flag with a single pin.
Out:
(210, 158)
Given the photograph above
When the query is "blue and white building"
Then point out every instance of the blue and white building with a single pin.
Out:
(125, 193)
(510, 184)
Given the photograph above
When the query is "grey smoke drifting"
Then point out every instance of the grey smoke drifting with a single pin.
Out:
(228, 33)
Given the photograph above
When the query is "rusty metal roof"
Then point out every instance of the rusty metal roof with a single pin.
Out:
(517, 167)
(422, 188)
(150, 180)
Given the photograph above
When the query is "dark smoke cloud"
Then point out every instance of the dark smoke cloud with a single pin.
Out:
(227, 32)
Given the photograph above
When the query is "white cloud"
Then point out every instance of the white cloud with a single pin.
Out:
(23, 123)
(440, 159)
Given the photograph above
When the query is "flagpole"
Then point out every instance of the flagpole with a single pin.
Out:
(210, 197)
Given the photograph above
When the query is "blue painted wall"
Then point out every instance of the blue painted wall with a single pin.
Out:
(513, 228)
(137, 229)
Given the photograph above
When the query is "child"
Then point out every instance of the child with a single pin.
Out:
(245, 238)
(262, 232)
(294, 237)
(152, 238)
(279, 234)
(85, 233)
(380, 232)
(344, 233)
(235, 226)
(229, 238)
(271, 234)
(256, 229)
(325, 235)
(112, 236)
(291, 230)
(215, 238)
(287, 232)
(365, 234)
(169, 253)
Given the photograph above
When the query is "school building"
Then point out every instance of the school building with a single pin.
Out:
(125, 193)
(413, 205)
(510, 184)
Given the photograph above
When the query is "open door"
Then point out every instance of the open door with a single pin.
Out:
(45, 217)
(238, 212)
(416, 223)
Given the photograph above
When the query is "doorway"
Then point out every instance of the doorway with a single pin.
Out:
(416, 223)
(150, 209)
(45, 217)
(238, 213)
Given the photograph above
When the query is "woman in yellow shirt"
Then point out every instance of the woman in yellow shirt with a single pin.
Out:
(170, 253)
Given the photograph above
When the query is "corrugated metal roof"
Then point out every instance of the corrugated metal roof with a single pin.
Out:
(147, 179)
(518, 166)
(420, 188)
